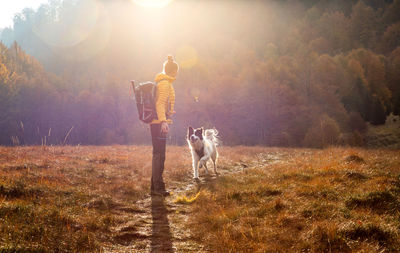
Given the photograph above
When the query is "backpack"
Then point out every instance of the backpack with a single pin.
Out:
(145, 96)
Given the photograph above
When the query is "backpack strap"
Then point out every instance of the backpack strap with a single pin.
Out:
(162, 80)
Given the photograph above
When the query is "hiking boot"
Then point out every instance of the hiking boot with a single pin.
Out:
(165, 193)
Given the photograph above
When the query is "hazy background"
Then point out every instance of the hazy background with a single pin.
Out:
(281, 73)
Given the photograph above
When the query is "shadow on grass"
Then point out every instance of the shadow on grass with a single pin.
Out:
(161, 237)
(207, 182)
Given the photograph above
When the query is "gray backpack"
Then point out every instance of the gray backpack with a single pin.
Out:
(145, 96)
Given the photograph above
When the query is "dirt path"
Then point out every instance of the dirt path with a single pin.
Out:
(157, 224)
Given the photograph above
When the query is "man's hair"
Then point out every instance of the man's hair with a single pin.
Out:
(170, 66)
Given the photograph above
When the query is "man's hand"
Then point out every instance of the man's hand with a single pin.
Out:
(164, 127)
(170, 113)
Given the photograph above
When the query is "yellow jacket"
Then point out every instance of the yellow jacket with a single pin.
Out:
(165, 98)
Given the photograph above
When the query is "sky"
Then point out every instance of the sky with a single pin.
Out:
(9, 8)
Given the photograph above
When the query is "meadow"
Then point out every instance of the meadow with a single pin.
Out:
(96, 199)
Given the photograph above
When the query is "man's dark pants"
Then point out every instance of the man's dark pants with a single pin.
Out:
(159, 142)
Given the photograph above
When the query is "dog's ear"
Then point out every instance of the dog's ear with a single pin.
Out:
(190, 131)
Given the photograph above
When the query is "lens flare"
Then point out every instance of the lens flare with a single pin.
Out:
(94, 44)
(68, 30)
(186, 57)
(152, 3)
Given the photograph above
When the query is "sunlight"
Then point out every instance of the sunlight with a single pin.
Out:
(186, 56)
(9, 9)
(152, 3)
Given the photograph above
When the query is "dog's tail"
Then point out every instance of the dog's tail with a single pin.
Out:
(212, 135)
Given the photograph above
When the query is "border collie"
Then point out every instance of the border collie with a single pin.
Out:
(203, 145)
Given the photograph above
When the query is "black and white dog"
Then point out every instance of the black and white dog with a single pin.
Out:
(203, 145)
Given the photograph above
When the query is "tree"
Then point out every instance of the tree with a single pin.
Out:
(324, 132)
(391, 37)
(364, 25)
(393, 77)
(377, 113)
(392, 13)
(335, 29)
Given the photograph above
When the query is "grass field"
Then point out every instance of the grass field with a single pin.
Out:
(264, 200)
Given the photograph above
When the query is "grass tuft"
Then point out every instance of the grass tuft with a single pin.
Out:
(355, 175)
(105, 203)
(368, 231)
(18, 189)
(355, 159)
(326, 238)
(378, 201)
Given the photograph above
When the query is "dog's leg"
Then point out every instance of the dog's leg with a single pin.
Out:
(204, 159)
(205, 166)
(215, 166)
(214, 160)
(195, 167)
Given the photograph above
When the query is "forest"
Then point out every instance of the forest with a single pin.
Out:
(276, 73)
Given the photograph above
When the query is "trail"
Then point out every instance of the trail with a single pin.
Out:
(157, 224)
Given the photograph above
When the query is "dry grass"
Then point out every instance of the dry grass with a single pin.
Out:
(299, 200)
(64, 198)
(275, 200)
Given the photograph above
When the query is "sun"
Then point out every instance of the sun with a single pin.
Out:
(152, 3)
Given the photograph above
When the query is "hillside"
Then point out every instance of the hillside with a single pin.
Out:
(387, 135)
(276, 73)
(265, 199)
